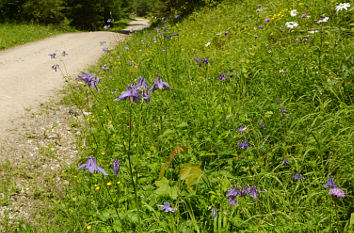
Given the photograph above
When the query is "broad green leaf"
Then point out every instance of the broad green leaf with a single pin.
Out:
(164, 188)
(191, 173)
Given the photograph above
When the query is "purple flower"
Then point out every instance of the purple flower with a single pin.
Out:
(104, 67)
(106, 26)
(259, 5)
(206, 61)
(303, 15)
(167, 207)
(266, 20)
(253, 191)
(159, 84)
(283, 71)
(157, 29)
(105, 49)
(109, 20)
(92, 166)
(52, 55)
(214, 212)
(232, 201)
(242, 128)
(297, 176)
(196, 59)
(144, 88)
(131, 93)
(283, 111)
(165, 28)
(337, 192)
(64, 54)
(222, 76)
(330, 183)
(126, 47)
(260, 27)
(55, 67)
(244, 191)
(176, 16)
(163, 50)
(262, 125)
(101, 43)
(244, 145)
(89, 79)
(285, 161)
(233, 192)
(297, 39)
(116, 166)
(256, 36)
(225, 33)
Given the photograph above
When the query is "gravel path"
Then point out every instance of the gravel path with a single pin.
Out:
(37, 134)
(26, 74)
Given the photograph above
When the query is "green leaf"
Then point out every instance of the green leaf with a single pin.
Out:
(164, 188)
(191, 173)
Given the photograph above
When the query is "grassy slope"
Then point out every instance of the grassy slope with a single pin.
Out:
(202, 114)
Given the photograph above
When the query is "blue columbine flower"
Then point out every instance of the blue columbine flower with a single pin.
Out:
(214, 212)
(116, 166)
(159, 84)
(330, 183)
(233, 192)
(144, 89)
(242, 128)
(285, 161)
(244, 145)
(52, 55)
(167, 207)
(297, 176)
(91, 166)
(232, 201)
(254, 192)
(89, 79)
(131, 93)
(64, 53)
(55, 67)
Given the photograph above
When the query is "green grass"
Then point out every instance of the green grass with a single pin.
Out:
(185, 144)
(17, 34)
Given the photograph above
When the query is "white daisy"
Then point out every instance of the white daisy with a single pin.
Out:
(293, 13)
(342, 6)
(324, 20)
(291, 25)
(313, 31)
(207, 44)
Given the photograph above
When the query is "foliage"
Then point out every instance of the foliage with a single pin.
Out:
(287, 93)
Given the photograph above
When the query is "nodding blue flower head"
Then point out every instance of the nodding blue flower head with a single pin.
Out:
(144, 89)
(105, 49)
(176, 16)
(167, 207)
(159, 84)
(283, 111)
(330, 183)
(106, 26)
(232, 201)
(104, 67)
(102, 43)
(116, 166)
(52, 55)
(214, 212)
(89, 79)
(285, 161)
(242, 128)
(254, 192)
(222, 76)
(130, 92)
(233, 192)
(244, 145)
(109, 20)
(91, 166)
(297, 176)
(64, 53)
(55, 67)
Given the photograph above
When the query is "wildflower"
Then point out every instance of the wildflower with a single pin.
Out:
(285, 161)
(291, 24)
(144, 88)
(330, 183)
(207, 44)
(159, 84)
(167, 207)
(342, 6)
(206, 61)
(55, 67)
(262, 125)
(101, 43)
(256, 36)
(244, 145)
(233, 192)
(303, 15)
(109, 20)
(89, 227)
(253, 191)
(244, 191)
(97, 187)
(232, 201)
(323, 20)
(313, 31)
(52, 55)
(225, 33)
(222, 76)
(297, 176)
(131, 93)
(104, 67)
(242, 129)
(283, 71)
(92, 166)
(260, 27)
(196, 59)
(116, 166)
(158, 29)
(105, 49)
(126, 47)
(259, 5)
(266, 20)
(106, 26)
(283, 111)
(297, 39)
(214, 212)
(293, 13)
(89, 80)
(176, 16)
(337, 192)
(165, 28)
(64, 54)
(109, 183)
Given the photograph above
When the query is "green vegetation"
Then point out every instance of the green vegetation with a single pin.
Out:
(272, 94)
(17, 34)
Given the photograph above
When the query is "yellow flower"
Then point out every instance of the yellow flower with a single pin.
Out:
(48, 144)
(89, 227)
(118, 182)
(301, 4)
(109, 183)
(97, 187)
(292, 30)
(271, 34)
(104, 110)
(102, 153)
